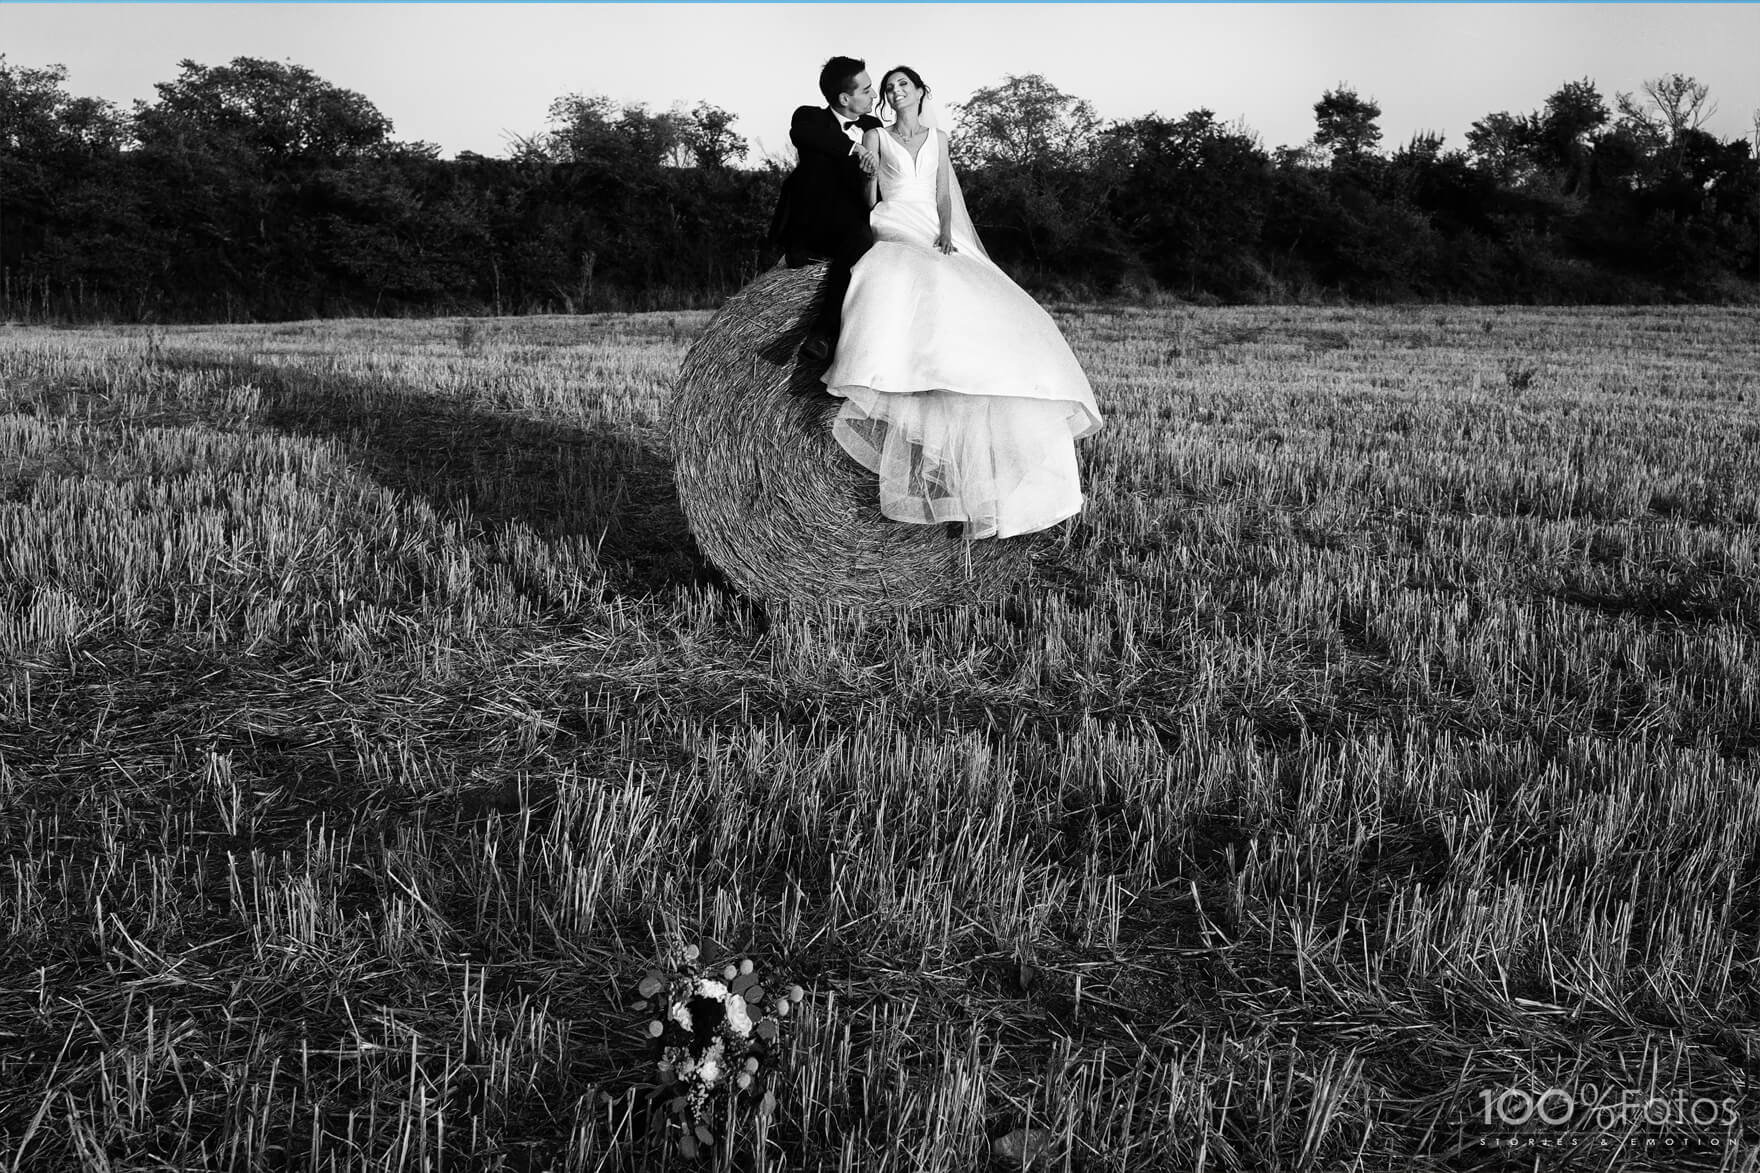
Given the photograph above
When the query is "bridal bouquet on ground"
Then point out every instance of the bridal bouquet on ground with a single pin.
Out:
(717, 1032)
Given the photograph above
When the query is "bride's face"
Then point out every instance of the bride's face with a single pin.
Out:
(901, 93)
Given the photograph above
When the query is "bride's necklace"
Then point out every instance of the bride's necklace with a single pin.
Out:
(907, 139)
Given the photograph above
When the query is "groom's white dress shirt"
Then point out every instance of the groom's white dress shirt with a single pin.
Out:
(852, 133)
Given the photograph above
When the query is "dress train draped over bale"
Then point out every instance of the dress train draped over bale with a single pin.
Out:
(770, 495)
(959, 390)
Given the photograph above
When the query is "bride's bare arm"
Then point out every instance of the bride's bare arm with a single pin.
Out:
(943, 196)
(871, 140)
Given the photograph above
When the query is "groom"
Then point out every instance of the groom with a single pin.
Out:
(823, 212)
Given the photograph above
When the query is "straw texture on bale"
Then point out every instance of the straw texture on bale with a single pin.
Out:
(771, 498)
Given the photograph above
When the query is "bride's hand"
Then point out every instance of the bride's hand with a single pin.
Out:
(944, 241)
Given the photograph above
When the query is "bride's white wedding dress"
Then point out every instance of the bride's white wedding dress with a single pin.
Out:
(959, 390)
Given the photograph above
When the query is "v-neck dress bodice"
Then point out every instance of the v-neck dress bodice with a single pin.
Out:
(905, 176)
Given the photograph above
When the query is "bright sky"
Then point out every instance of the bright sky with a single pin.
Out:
(466, 75)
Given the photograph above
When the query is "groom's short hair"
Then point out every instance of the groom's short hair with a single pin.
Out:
(839, 77)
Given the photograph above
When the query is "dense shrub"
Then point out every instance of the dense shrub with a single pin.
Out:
(191, 208)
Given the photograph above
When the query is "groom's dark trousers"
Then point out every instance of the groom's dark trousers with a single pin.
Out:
(823, 212)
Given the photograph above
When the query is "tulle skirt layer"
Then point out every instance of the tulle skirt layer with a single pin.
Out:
(959, 390)
(1001, 465)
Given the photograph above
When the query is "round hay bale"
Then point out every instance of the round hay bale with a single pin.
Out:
(771, 497)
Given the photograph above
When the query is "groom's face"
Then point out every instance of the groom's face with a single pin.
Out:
(860, 99)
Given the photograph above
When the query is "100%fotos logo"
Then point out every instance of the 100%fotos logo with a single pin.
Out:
(1602, 1107)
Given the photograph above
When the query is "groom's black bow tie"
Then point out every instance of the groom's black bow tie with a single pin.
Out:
(848, 125)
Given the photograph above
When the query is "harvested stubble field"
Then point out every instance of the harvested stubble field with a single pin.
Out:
(1376, 756)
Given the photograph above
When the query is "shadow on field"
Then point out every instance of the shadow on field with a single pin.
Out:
(613, 488)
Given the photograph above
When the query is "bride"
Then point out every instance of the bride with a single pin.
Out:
(958, 389)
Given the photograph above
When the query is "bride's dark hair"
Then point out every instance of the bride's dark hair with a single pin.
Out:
(915, 80)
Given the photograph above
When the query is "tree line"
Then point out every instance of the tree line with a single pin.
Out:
(257, 190)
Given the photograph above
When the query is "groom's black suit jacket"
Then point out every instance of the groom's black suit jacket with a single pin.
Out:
(823, 211)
